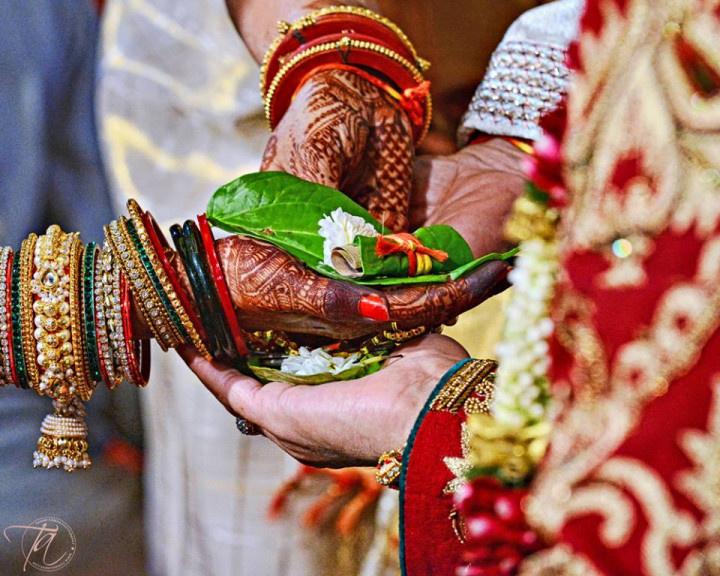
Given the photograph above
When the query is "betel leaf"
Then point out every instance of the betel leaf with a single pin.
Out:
(366, 367)
(282, 209)
(285, 211)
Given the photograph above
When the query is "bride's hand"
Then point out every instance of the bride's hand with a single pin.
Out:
(271, 290)
(340, 423)
(344, 132)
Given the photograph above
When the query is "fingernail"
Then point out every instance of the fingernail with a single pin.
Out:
(373, 306)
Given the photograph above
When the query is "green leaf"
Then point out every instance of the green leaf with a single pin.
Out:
(368, 366)
(282, 209)
(285, 210)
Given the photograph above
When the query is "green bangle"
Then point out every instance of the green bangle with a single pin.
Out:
(88, 296)
(17, 325)
(187, 241)
(140, 249)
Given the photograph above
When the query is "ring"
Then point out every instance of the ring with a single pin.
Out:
(245, 427)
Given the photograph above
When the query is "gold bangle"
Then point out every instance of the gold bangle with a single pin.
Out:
(389, 468)
(147, 300)
(51, 285)
(193, 334)
(346, 43)
(83, 383)
(311, 18)
(27, 252)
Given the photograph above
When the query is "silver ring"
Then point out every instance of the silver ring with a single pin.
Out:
(245, 427)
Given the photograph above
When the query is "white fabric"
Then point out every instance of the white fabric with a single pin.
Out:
(527, 75)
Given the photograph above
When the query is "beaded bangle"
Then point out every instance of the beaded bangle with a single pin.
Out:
(187, 241)
(6, 375)
(82, 377)
(176, 324)
(151, 239)
(104, 350)
(51, 288)
(111, 283)
(149, 304)
(89, 312)
(27, 251)
(221, 286)
(137, 352)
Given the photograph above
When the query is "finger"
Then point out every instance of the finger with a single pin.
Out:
(394, 152)
(435, 304)
(234, 390)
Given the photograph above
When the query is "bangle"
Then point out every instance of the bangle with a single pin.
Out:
(389, 468)
(353, 50)
(104, 349)
(181, 302)
(6, 370)
(82, 379)
(221, 286)
(137, 352)
(16, 324)
(51, 288)
(27, 251)
(149, 304)
(332, 20)
(187, 241)
(90, 314)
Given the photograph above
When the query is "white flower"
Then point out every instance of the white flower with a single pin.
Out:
(340, 229)
(521, 387)
(310, 362)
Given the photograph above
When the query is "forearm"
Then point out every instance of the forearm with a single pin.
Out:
(256, 20)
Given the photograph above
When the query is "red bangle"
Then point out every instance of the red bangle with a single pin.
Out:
(139, 370)
(221, 286)
(160, 244)
(8, 319)
(361, 52)
(330, 25)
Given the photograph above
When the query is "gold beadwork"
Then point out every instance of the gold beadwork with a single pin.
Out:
(27, 251)
(82, 377)
(51, 285)
(476, 376)
(389, 467)
(193, 334)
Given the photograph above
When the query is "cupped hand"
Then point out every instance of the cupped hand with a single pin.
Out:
(344, 132)
(271, 290)
(340, 423)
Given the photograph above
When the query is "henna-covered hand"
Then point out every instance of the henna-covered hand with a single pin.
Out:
(272, 290)
(344, 132)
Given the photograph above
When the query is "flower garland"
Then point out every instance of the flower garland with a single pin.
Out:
(507, 445)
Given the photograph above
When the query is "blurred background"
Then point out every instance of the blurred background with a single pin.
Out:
(171, 95)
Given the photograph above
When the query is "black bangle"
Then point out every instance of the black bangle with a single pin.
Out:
(88, 297)
(220, 341)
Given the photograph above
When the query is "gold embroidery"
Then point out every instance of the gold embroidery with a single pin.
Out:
(463, 383)
(702, 483)
(559, 560)
(459, 466)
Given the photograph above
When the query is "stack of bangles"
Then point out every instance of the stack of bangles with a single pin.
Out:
(67, 310)
(346, 38)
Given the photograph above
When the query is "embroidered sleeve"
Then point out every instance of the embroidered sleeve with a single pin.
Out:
(434, 466)
(527, 75)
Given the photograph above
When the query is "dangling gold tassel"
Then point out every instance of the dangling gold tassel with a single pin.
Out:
(63, 443)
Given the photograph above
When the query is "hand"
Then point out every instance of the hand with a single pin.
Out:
(341, 423)
(344, 132)
(273, 291)
(472, 190)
